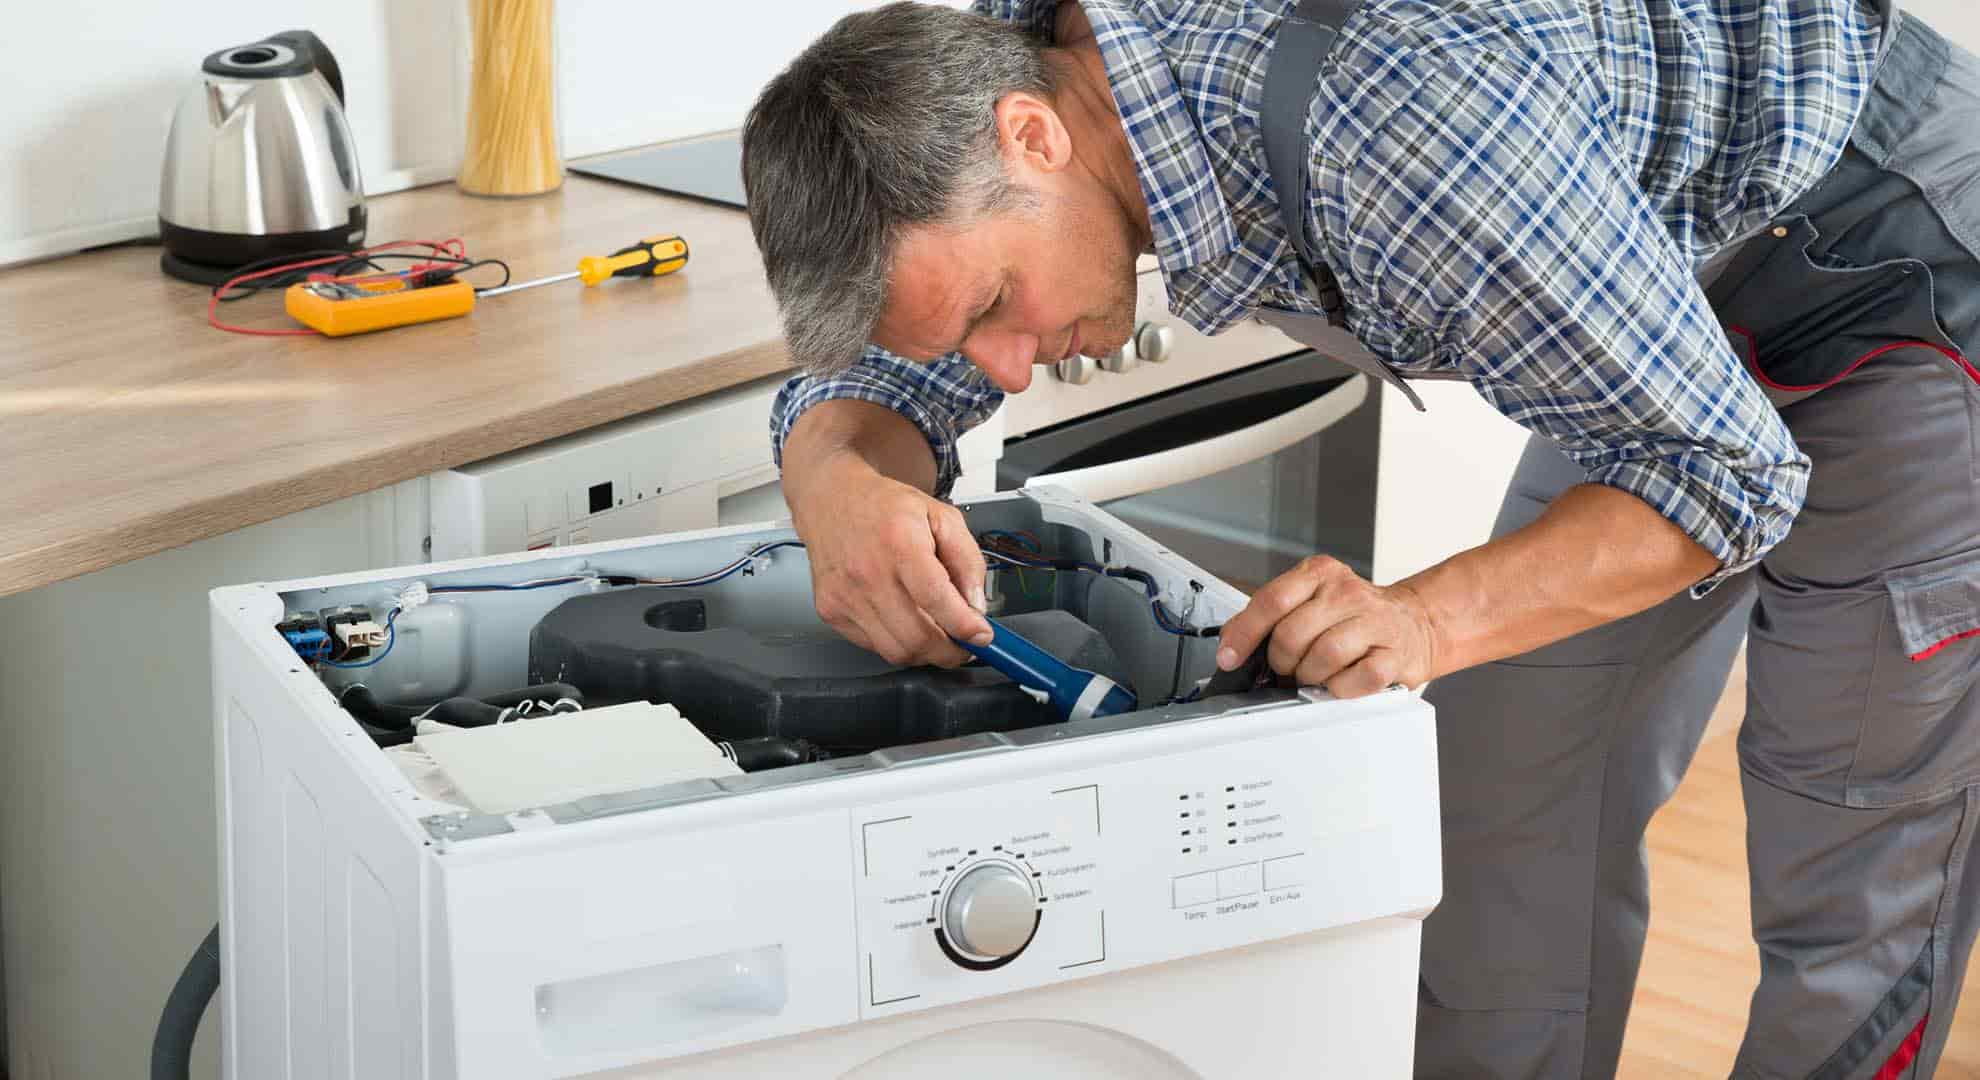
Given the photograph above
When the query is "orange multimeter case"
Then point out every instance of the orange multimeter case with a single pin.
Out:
(338, 308)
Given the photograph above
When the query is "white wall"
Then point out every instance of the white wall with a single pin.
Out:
(83, 116)
(86, 111)
(1957, 19)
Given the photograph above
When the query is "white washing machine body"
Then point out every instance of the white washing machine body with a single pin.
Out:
(1230, 887)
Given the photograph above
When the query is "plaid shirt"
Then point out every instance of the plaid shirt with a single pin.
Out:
(1518, 193)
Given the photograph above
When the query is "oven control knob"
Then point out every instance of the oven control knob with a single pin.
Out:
(1121, 359)
(991, 912)
(1077, 370)
(1154, 341)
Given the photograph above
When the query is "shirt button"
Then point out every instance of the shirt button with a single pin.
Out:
(1780, 232)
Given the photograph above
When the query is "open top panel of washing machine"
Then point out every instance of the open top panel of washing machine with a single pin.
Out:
(928, 844)
(719, 628)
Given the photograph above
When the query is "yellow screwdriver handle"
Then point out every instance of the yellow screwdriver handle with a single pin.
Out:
(651, 257)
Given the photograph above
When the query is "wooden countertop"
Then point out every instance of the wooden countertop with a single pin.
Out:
(128, 426)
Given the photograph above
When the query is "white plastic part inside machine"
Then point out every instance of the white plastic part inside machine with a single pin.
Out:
(553, 758)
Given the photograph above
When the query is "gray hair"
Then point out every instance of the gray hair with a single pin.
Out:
(883, 123)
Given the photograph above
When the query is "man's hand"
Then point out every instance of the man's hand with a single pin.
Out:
(893, 569)
(1330, 628)
(1595, 554)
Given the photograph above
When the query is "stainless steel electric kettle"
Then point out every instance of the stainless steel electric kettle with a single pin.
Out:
(259, 163)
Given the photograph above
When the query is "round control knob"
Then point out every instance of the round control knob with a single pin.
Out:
(1121, 359)
(1154, 342)
(1077, 370)
(991, 913)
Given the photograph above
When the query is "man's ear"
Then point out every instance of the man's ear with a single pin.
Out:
(1033, 137)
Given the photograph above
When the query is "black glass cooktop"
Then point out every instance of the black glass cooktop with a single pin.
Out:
(707, 168)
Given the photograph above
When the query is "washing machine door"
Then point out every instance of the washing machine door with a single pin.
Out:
(1033, 1049)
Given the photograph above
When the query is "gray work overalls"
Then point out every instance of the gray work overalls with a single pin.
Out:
(1860, 750)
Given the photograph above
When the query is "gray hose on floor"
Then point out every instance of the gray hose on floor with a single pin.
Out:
(171, 1048)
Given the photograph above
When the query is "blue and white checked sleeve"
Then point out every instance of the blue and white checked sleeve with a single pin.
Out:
(944, 398)
(1492, 211)
(1033, 15)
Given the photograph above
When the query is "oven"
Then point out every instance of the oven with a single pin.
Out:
(1243, 452)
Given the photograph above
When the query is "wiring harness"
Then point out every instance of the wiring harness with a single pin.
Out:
(1021, 551)
(427, 263)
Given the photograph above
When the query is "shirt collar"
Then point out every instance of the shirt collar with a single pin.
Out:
(1186, 210)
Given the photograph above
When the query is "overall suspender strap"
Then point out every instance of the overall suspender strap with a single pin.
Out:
(1305, 38)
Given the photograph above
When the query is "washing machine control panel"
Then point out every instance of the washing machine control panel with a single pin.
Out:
(1022, 881)
(1232, 853)
(975, 883)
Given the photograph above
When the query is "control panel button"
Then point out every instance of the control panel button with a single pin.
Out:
(1237, 881)
(1154, 342)
(1286, 872)
(1195, 889)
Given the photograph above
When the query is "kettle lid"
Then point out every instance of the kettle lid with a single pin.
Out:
(278, 56)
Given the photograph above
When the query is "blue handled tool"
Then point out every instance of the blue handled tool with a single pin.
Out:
(1076, 693)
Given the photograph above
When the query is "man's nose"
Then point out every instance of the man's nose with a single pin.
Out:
(1005, 357)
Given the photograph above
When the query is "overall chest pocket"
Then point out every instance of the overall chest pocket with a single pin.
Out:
(1804, 318)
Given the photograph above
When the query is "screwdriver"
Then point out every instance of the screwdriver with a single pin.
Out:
(651, 257)
(339, 308)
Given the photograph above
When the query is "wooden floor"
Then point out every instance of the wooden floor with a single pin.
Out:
(1699, 967)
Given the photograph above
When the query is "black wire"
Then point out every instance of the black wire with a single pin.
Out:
(450, 265)
(249, 288)
(487, 262)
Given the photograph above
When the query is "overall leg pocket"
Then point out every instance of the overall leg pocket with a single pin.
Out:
(1863, 696)
(1921, 737)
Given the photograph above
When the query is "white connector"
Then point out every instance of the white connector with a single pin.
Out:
(413, 596)
(366, 634)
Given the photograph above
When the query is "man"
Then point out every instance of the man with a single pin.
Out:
(1629, 224)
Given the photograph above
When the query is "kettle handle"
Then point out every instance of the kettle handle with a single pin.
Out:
(307, 44)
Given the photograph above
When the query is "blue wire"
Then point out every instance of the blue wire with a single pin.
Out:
(391, 620)
(704, 579)
(545, 584)
(1162, 617)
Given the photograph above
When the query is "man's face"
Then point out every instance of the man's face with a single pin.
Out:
(1021, 287)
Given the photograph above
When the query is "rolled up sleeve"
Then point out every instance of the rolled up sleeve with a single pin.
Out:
(944, 399)
(1494, 218)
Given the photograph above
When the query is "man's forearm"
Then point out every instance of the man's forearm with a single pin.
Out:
(835, 434)
(1597, 554)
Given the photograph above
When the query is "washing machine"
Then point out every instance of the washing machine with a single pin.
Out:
(1227, 881)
